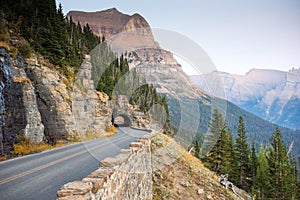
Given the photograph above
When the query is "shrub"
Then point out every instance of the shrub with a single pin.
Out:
(4, 36)
(5, 45)
(26, 146)
(25, 50)
(2, 158)
(112, 129)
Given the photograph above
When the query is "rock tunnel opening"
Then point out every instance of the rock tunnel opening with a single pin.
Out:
(121, 121)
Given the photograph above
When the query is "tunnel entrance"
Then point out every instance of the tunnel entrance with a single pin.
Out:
(121, 121)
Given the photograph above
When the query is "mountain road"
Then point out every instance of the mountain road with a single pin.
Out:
(40, 175)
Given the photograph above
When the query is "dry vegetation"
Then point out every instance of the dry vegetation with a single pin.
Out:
(90, 135)
(179, 175)
(26, 146)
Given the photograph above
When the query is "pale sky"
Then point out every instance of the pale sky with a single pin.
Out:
(237, 35)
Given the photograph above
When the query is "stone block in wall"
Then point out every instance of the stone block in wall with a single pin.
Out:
(136, 144)
(101, 173)
(75, 188)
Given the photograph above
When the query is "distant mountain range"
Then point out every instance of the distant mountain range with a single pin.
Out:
(270, 94)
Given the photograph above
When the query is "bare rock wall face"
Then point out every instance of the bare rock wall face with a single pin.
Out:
(37, 101)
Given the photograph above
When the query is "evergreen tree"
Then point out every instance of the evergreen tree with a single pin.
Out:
(44, 26)
(197, 149)
(253, 163)
(278, 162)
(233, 172)
(262, 186)
(242, 154)
(217, 131)
(291, 181)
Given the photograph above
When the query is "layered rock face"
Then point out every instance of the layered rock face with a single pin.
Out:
(41, 104)
(54, 101)
(270, 94)
(123, 32)
(103, 23)
(19, 108)
(90, 108)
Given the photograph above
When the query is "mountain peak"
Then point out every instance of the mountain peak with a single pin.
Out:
(112, 10)
(109, 22)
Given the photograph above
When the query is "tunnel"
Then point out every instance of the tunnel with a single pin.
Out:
(121, 120)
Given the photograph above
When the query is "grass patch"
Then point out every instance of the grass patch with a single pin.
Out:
(2, 158)
(25, 146)
(91, 135)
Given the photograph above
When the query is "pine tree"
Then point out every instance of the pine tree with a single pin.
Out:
(217, 131)
(233, 172)
(242, 154)
(262, 184)
(44, 26)
(197, 149)
(253, 163)
(278, 162)
(291, 181)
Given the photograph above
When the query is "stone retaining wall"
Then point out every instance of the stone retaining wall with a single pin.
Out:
(126, 176)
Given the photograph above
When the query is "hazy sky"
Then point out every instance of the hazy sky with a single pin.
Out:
(237, 35)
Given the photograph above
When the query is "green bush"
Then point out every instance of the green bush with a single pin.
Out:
(25, 50)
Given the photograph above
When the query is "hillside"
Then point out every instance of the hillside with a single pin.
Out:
(270, 94)
(179, 175)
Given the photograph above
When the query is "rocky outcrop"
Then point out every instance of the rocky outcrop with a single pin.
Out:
(19, 108)
(103, 23)
(126, 176)
(91, 109)
(109, 22)
(37, 101)
(159, 68)
(69, 110)
(54, 101)
(24, 91)
(123, 32)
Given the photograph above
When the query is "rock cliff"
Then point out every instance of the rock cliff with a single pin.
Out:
(37, 101)
(19, 109)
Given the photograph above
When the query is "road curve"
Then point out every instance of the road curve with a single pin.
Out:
(39, 176)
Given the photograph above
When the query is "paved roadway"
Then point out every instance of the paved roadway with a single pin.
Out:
(39, 176)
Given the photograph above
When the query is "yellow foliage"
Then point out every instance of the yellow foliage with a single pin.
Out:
(112, 129)
(67, 83)
(26, 146)
(2, 158)
(91, 135)
(21, 80)
(5, 45)
(76, 138)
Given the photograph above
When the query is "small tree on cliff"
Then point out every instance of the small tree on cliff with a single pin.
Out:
(242, 155)
(213, 159)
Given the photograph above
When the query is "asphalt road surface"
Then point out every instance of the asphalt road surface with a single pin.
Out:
(40, 176)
